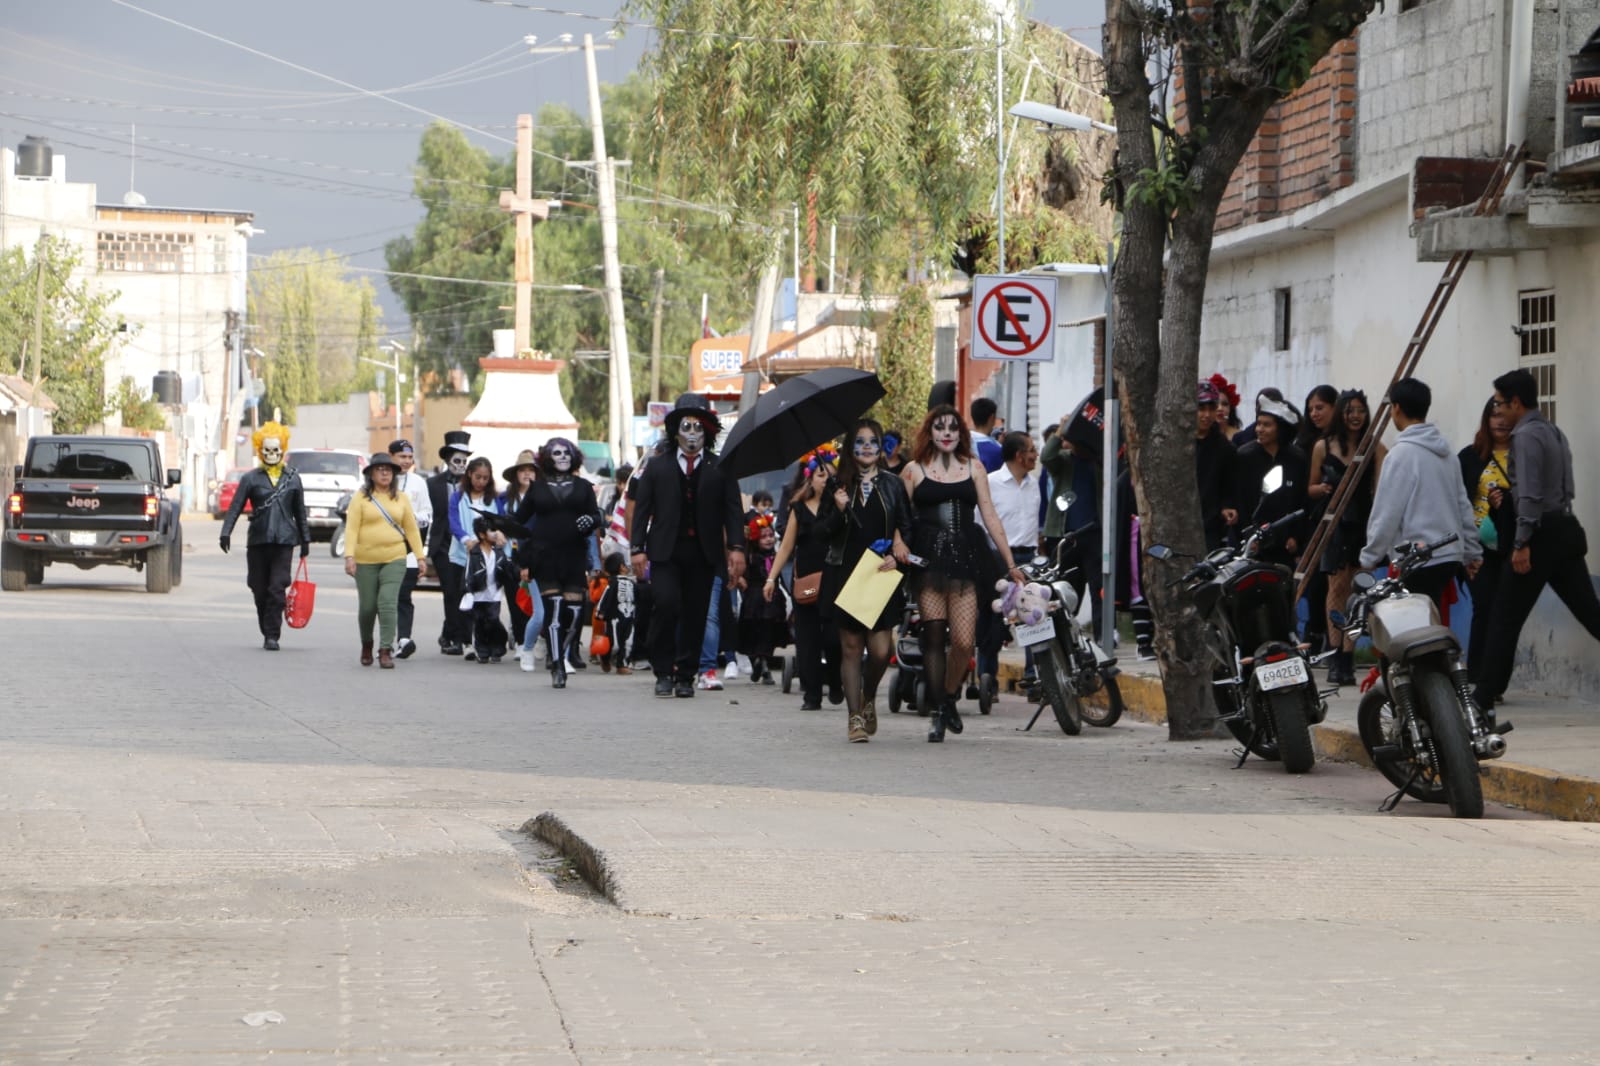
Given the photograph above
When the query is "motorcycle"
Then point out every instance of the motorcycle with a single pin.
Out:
(1261, 673)
(1418, 722)
(1070, 667)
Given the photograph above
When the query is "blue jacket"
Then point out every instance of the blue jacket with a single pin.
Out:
(462, 515)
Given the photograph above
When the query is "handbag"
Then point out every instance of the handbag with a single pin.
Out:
(299, 599)
(807, 587)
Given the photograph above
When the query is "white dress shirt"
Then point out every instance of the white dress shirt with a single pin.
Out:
(416, 487)
(1017, 504)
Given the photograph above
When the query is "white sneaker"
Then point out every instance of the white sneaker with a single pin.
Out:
(732, 672)
(538, 653)
(525, 660)
(709, 681)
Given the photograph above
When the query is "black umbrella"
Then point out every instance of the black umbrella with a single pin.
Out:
(1087, 426)
(797, 416)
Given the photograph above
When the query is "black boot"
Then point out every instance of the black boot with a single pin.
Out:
(936, 727)
(952, 717)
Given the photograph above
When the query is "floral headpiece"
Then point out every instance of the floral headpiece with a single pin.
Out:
(1227, 389)
(824, 454)
(752, 532)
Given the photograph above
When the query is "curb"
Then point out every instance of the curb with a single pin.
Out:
(1568, 797)
(590, 862)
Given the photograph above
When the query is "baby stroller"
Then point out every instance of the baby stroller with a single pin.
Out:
(910, 687)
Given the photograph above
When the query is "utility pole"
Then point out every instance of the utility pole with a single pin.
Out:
(655, 337)
(38, 312)
(605, 178)
(527, 211)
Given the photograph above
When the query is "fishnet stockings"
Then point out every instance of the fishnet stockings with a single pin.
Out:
(861, 682)
(949, 614)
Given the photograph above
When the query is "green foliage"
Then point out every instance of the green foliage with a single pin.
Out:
(764, 105)
(905, 361)
(314, 323)
(138, 409)
(78, 330)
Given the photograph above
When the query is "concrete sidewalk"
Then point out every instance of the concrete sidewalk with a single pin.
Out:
(1552, 767)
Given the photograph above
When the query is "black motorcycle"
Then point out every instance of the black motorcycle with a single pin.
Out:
(1419, 724)
(1069, 666)
(1261, 674)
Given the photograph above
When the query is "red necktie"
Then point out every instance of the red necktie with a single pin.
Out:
(688, 462)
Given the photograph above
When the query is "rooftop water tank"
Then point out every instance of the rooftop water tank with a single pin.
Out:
(168, 387)
(34, 158)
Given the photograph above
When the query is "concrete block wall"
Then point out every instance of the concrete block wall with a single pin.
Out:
(1430, 82)
(1237, 321)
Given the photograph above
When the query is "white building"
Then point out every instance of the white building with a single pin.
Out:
(1334, 235)
(180, 279)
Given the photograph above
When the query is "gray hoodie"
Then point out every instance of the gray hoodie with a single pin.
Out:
(1421, 498)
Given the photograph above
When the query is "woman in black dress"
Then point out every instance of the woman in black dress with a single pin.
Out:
(805, 542)
(867, 510)
(948, 497)
(1330, 460)
(556, 551)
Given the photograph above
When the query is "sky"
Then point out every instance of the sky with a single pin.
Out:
(237, 105)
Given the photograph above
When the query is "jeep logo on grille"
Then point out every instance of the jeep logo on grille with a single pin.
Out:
(88, 503)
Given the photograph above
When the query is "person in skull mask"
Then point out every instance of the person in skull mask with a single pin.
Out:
(563, 515)
(277, 523)
(457, 628)
(688, 527)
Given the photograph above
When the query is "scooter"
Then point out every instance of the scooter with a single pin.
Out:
(1418, 723)
(1261, 676)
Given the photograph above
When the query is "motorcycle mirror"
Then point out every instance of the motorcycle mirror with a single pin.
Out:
(1158, 551)
(1273, 481)
(1065, 500)
(1363, 580)
(1338, 619)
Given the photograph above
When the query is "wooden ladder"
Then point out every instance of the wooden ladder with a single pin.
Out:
(1488, 204)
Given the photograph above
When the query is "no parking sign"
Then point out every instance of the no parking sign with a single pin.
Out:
(1014, 318)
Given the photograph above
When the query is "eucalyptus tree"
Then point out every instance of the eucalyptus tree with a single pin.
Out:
(1220, 68)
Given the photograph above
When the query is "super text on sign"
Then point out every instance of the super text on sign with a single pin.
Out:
(1014, 318)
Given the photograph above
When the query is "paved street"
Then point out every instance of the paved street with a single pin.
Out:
(193, 831)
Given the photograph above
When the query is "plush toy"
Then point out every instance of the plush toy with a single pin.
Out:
(1021, 604)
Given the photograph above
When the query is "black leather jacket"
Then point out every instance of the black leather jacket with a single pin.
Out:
(835, 525)
(277, 513)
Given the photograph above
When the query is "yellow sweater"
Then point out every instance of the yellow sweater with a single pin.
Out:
(368, 536)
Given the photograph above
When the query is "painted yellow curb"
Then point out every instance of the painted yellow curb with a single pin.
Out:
(1568, 797)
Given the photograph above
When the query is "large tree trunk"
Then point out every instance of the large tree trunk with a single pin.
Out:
(1156, 351)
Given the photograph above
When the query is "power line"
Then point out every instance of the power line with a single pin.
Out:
(623, 23)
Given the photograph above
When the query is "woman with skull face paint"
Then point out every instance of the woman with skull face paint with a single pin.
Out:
(945, 494)
(867, 506)
(563, 514)
(277, 523)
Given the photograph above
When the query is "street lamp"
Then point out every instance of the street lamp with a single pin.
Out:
(1053, 120)
(395, 350)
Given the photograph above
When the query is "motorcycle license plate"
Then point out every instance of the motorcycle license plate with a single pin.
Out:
(1285, 674)
(1030, 636)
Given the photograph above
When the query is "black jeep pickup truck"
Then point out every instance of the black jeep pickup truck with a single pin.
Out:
(92, 501)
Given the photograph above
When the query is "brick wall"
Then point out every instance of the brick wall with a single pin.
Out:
(1305, 149)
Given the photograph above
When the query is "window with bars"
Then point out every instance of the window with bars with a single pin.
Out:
(1536, 331)
(165, 253)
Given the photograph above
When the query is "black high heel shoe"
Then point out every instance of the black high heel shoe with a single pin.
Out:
(950, 716)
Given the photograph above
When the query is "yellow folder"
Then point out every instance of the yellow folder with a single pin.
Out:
(869, 589)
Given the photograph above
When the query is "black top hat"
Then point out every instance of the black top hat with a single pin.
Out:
(692, 403)
(456, 443)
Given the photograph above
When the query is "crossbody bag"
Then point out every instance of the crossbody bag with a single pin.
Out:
(411, 555)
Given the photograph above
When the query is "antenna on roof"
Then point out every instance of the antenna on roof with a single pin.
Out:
(132, 198)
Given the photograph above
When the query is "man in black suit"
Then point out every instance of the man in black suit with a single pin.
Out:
(688, 526)
(457, 627)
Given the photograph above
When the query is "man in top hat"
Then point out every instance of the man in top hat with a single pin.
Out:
(688, 526)
(457, 627)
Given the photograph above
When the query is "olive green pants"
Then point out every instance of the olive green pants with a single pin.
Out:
(378, 596)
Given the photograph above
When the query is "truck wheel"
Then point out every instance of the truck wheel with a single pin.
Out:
(158, 569)
(177, 557)
(13, 569)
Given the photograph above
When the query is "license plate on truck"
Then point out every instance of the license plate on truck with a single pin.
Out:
(82, 540)
(1284, 674)
(1031, 636)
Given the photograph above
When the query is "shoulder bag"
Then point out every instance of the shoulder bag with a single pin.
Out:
(411, 555)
